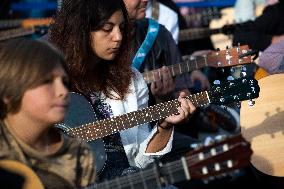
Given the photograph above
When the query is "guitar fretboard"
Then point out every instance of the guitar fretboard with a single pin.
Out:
(186, 66)
(4, 24)
(197, 33)
(109, 126)
(12, 33)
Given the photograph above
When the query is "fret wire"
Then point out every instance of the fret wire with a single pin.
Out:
(179, 68)
(175, 69)
(183, 67)
(196, 66)
(187, 65)
(205, 60)
(160, 76)
(172, 70)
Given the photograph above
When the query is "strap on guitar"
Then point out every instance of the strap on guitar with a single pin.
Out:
(147, 44)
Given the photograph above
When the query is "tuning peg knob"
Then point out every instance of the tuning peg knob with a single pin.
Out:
(238, 105)
(233, 70)
(243, 74)
(217, 82)
(196, 146)
(224, 107)
(220, 138)
(208, 141)
(218, 49)
(243, 68)
(251, 102)
(230, 78)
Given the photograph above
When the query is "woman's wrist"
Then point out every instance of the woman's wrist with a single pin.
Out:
(165, 125)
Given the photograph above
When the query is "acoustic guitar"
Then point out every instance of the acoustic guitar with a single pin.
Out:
(263, 126)
(80, 120)
(31, 180)
(220, 157)
(225, 58)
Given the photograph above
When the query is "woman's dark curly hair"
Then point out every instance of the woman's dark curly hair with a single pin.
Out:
(71, 33)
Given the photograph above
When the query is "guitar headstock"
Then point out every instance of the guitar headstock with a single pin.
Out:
(229, 57)
(220, 157)
(234, 91)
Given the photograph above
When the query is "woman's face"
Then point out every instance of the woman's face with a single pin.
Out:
(106, 41)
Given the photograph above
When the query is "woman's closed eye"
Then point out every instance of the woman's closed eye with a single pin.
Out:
(107, 28)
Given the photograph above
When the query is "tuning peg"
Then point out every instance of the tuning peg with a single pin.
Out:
(208, 141)
(230, 78)
(220, 138)
(218, 49)
(217, 82)
(232, 69)
(243, 68)
(227, 47)
(238, 105)
(224, 107)
(196, 146)
(251, 102)
(243, 74)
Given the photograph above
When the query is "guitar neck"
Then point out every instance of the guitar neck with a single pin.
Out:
(197, 33)
(4, 24)
(183, 67)
(19, 32)
(109, 126)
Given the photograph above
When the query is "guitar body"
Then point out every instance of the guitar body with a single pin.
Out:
(262, 125)
(80, 112)
(31, 180)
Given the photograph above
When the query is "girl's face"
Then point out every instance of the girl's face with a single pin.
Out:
(47, 102)
(107, 40)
